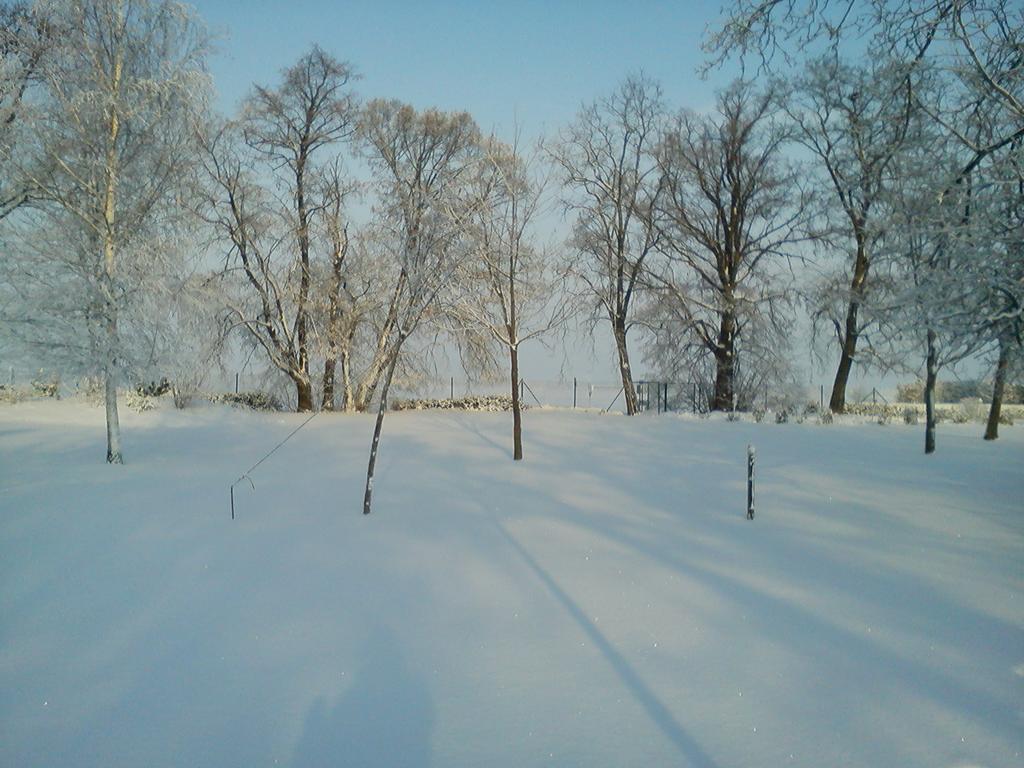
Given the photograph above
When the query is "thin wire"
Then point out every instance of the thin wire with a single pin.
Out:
(245, 475)
(623, 389)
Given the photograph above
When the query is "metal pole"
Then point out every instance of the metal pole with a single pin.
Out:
(821, 397)
(573, 391)
(693, 397)
(452, 396)
(874, 400)
(236, 382)
(750, 482)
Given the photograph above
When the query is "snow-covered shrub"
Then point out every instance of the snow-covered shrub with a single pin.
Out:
(155, 388)
(45, 386)
(732, 416)
(258, 401)
(972, 408)
(11, 395)
(909, 415)
(781, 416)
(138, 401)
(183, 395)
(1006, 418)
(468, 403)
(951, 414)
(91, 388)
(884, 417)
(759, 414)
(826, 417)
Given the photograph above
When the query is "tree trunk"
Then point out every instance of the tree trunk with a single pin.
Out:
(837, 402)
(998, 386)
(327, 401)
(333, 318)
(725, 365)
(110, 401)
(347, 402)
(366, 388)
(628, 390)
(931, 374)
(304, 391)
(372, 465)
(517, 413)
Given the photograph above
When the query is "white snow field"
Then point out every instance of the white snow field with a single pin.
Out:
(605, 603)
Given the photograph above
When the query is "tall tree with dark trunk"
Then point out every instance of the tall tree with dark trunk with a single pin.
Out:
(934, 301)
(286, 140)
(338, 328)
(420, 160)
(504, 285)
(310, 110)
(729, 208)
(854, 121)
(611, 185)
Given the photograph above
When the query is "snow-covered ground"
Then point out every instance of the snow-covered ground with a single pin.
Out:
(605, 603)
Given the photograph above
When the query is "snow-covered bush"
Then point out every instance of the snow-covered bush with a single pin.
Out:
(1006, 418)
(825, 417)
(781, 416)
(183, 393)
(257, 401)
(732, 416)
(910, 415)
(759, 414)
(468, 403)
(45, 386)
(91, 388)
(154, 388)
(11, 395)
(884, 417)
(139, 401)
(972, 408)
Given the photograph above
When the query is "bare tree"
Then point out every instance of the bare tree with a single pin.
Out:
(978, 41)
(504, 287)
(729, 208)
(420, 160)
(26, 34)
(611, 185)
(934, 238)
(854, 121)
(995, 274)
(340, 322)
(120, 92)
(311, 110)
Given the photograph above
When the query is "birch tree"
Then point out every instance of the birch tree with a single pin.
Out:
(120, 94)
(611, 185)
(420, 161)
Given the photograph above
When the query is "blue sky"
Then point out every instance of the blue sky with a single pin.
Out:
(531, 62)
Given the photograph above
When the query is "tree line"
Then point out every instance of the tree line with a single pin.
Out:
(870, 183)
